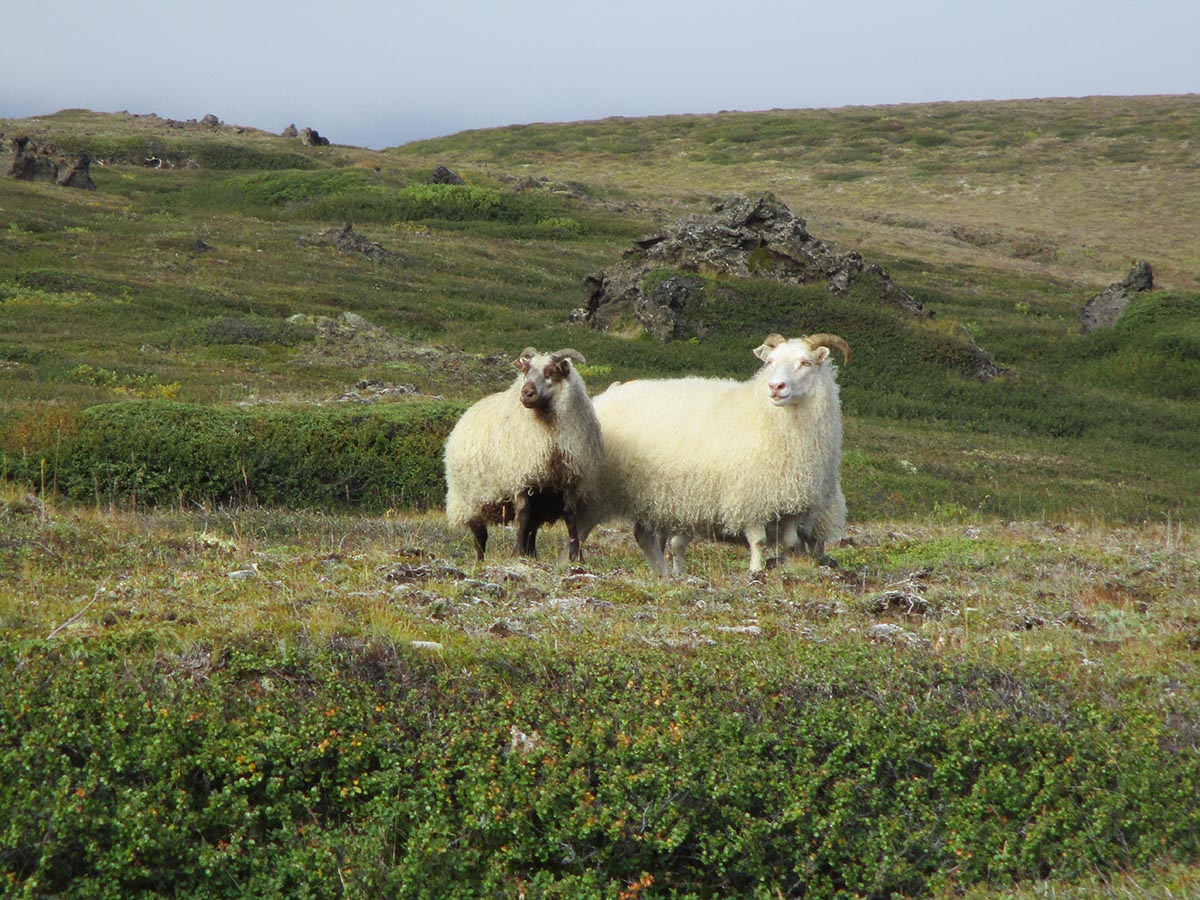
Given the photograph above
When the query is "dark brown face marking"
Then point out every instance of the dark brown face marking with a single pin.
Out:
(541, 385)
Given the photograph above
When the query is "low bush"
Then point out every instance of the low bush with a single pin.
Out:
(288, 187)
(375, 770)
(354, 195)
(1153, 350)
(254, 330)
(207, 152)
(167, 452)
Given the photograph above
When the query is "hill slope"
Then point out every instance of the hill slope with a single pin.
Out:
(220, 277)
(1071, 188)
(239, 664)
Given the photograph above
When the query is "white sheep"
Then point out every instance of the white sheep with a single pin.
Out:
(711, 457)
(529, 453)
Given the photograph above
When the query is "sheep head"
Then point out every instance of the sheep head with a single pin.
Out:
(544, 375)
(789, 365)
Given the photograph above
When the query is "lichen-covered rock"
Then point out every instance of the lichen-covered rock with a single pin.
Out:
(743, 237)
(1103, 310)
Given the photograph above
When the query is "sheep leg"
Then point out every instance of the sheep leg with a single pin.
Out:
(652, 548)
(678, 544)
(574, 549)
(756, 537)
(479, 530)
(527, 526)
(789, 534)
(805, 542)
(809, 544)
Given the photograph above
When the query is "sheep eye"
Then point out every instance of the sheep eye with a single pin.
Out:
(806, 362)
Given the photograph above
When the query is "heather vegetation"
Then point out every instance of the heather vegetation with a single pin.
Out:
(244, 655)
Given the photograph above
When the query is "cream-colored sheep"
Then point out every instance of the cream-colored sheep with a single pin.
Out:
(698, 456)
(530, 453)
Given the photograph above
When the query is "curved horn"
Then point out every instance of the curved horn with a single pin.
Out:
(830, 340)
(774, 340)
(527, 353)
(568, 353)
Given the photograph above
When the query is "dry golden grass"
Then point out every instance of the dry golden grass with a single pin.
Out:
(1072, 188)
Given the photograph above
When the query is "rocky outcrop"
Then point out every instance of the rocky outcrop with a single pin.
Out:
(209, 121)
(310, 138)
(77, 175)
(30, 163)
(662, 282)
(743, 237)
(1103, 310)
(346, 240)
(443, 175)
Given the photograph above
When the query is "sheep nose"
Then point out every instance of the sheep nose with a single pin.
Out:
(775, 387)
(528, 392)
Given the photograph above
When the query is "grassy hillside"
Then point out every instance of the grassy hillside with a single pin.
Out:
(246, 656)
(1072, 188)
(180, 283)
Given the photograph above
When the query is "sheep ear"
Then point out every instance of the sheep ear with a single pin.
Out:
(561, 366)
(521, 363)
(769, 343)
(820, 354)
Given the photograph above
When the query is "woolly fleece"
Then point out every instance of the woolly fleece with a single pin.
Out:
(499, 448)
(699, 455)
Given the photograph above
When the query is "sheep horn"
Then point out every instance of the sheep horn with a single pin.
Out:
(830, 340)
(774, 340)
(528, 353)
(571, 354)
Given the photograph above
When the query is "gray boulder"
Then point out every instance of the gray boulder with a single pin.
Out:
(310, 138)
(28, 163)
(443, 175)
(1103, 310)
(78, 175)
(346, 240)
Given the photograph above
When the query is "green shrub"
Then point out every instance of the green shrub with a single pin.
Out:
(927, 138)
(166, 452)
(356, 196)
(127, 384)
(370, 770)
(559, 227)
(291, 187)
(255, 330)
(225, 155)
(1153, 350)
(449, 201)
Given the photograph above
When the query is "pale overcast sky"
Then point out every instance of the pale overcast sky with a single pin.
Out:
(378, 73)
